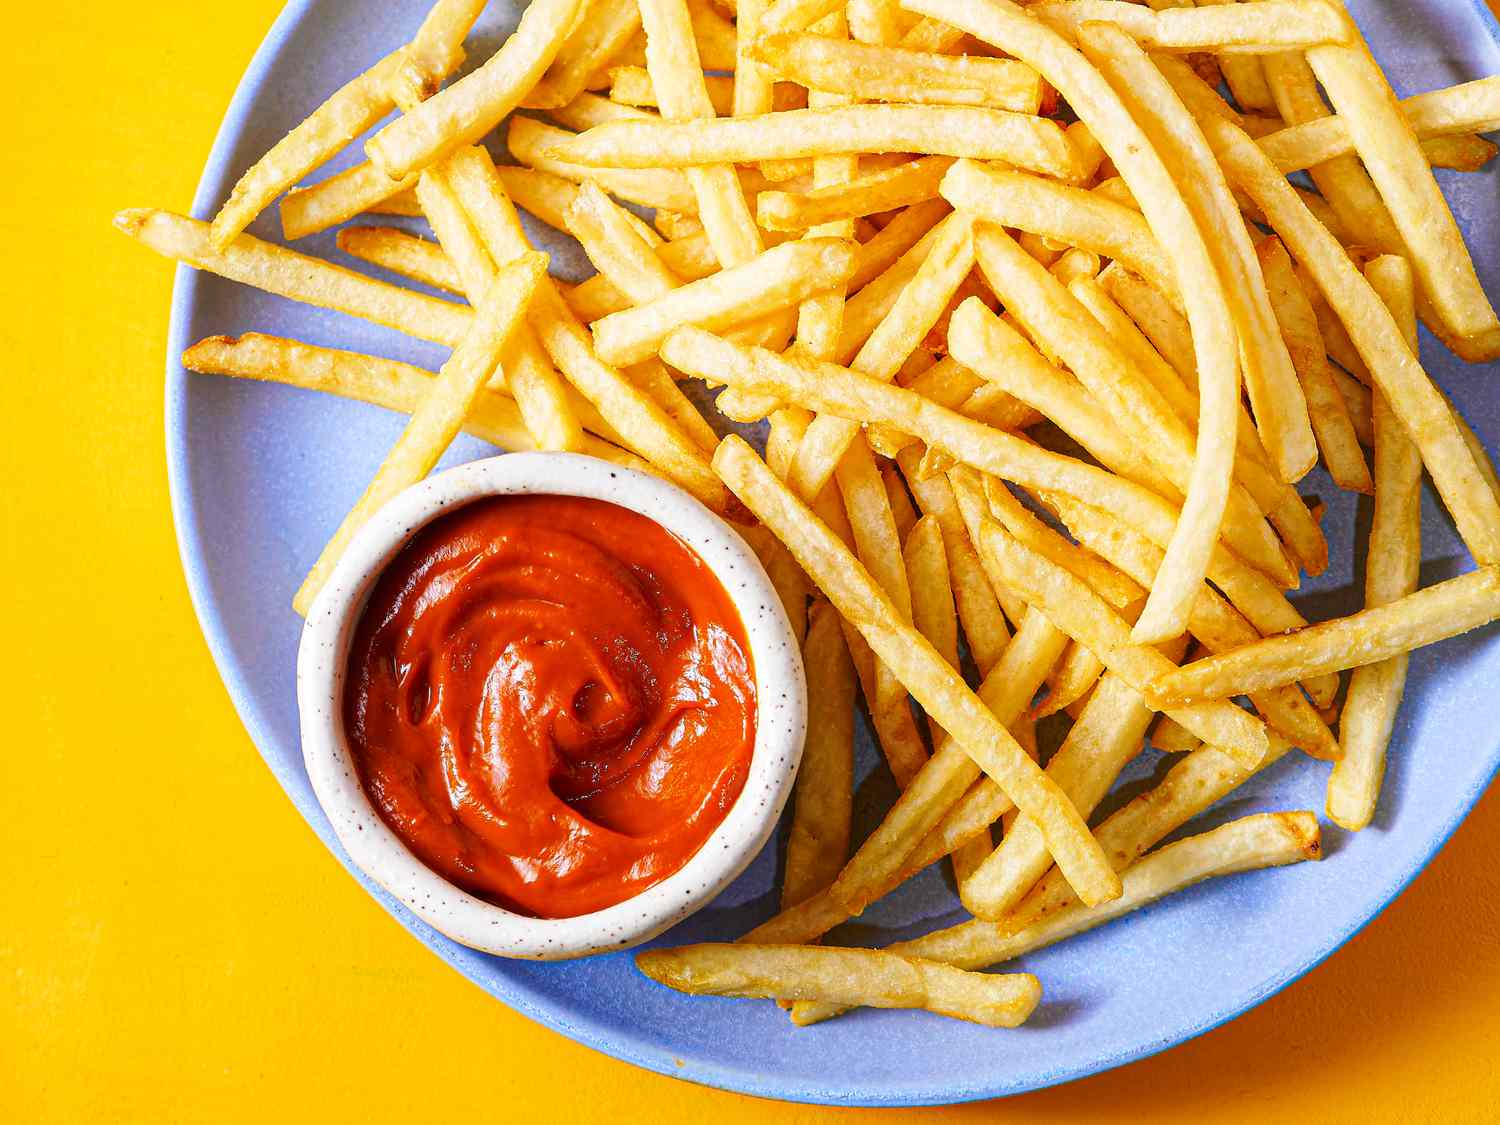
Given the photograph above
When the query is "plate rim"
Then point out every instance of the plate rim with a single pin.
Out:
(636, 1049)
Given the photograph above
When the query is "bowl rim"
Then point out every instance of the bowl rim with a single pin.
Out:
(781, 709)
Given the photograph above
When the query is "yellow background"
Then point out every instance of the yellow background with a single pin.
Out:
(176, 944)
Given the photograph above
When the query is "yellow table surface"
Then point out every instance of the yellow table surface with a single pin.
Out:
(174, 941)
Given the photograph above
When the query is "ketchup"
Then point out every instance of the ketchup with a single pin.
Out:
(550, 700)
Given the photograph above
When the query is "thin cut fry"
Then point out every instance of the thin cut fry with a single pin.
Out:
(1254, 27)
(605, 29)
(1391, 565)
(402, 253)
(298, 277)
(494, 417)
(1435, 613)
(883, 190)
(1034, 143)
(865, 977)
(818, 843)
(476, 103)
(938, 688)
(438, 419)
(331, 201)
(894, 74)
(535, 144)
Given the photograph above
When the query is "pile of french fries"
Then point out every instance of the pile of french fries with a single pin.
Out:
(1039, 393)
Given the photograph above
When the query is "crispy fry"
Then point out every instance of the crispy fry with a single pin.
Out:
(436, 422)
(883, 190)
(606, 28)
(1435, 613)
(1171, 737)
(1078, 611)
(1299, 327)
(1417, 403)
(476, 103)
(1388, 147)
(296, 276)
(1472, 107)
(865, 977)
(938, 688)
(331, 201)
(494, 417)
(1034, 143)
(535, 144)
(617, 251)
(587, 110)
(1395, 553)
(777, 278)
(402, 253)
(818, 843)
(895, 74)
(1255, 27)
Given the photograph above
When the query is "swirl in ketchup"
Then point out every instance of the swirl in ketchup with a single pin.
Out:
(550, 700)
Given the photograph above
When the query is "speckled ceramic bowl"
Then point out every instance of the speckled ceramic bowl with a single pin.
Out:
(376, 850)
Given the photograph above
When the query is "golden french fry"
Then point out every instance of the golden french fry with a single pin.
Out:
(1472, 107)
(402, 253)
(331, 201)
(937, 687)
(777, 278)
(1445, 609)
(1275, 393)
(1389, 150)
(587, 110)
(1255, 27)
(895, 74)
(1396, 372)
(934, 612)
(1078, 611)
(1299, 327)
(911, 316)
(437, 421)
(886, 189)
(851, 977)
(818, 843)
(494, 417)
(1034, 143)
(617, 251)
(476, 103)
(606, 28)
(1072, 680)
(535, 144)
(298, 277)
(1171, 737)
(1391, 565)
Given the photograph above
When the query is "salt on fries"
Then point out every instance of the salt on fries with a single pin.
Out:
(890, 248)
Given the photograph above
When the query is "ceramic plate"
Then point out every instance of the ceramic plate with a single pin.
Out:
(261, 475)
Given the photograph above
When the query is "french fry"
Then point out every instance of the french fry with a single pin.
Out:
(1395, 554)
(1275, 393)
(818, 843)
(1053, 316)
(777, 278)
(1107, 735)
(1078, 611)
(606, 28)
(298, 277)
(494, 417)
(1445, 609)
(638, 419)
(1388, 147)
(1075, 265)
(676, 66)
(1472, 107)
(938, 688)
(797, 15)
(863, 977)
(895, 74)
(434, 53)
(587, 110)
(1254, 27)
(1171, 737)
(1397, 373)
(402, 253)
(437, 421)
(978, 611)
(920, 302)
(617, 251)
(465, 111)
(535, 144)
(898, 238)
(1008, 27)
(331, 201)
(1250, 843)
(1299, 327)
(1213, 621)
(1035, 143)
(1072, 680)
(884, 190)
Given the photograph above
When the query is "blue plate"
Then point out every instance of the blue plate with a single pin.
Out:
(262, 474)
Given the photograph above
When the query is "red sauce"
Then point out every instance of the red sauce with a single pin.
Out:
(550, 700)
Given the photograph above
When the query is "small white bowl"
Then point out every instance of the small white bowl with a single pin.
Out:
(781, 709)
